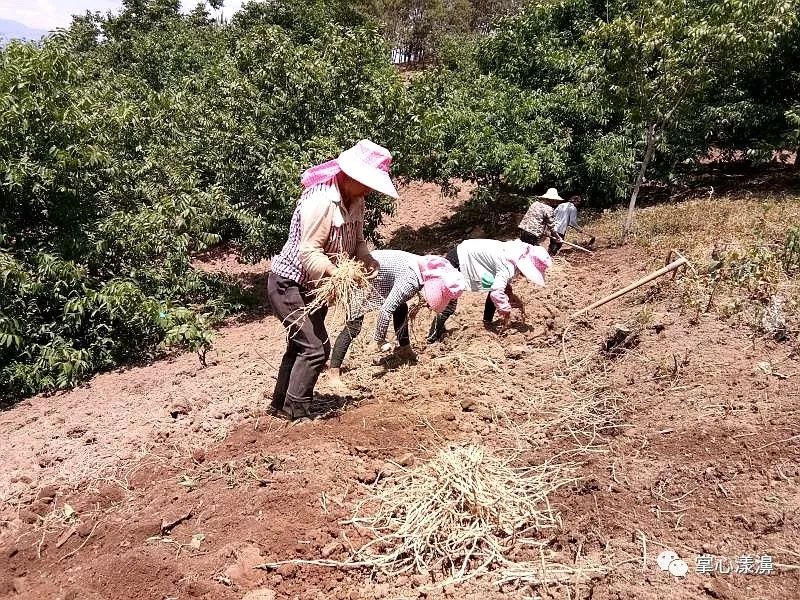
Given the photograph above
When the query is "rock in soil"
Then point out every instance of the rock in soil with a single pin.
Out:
(622, 338)
(468, 405)
(20, 586)
(199, 455)
(368, 475)
(41, 507)
(21, 479)
(389, 469)
(516, 352)
(47, 492)
(179, 408)
(243, 573)
(330, 548)
(406, 460)
(288, 570)
(84, 528)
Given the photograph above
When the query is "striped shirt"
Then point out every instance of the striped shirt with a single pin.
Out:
(538, 220)
(397, 282)
(320, 229)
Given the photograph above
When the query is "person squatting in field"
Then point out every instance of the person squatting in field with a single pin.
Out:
(328, 221)
(489, 266)
(401, 276)
(565, 216)
(538, 224)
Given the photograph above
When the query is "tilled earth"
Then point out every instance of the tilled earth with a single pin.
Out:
(169, 481)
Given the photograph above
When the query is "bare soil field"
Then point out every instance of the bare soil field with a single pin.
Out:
(168, 480)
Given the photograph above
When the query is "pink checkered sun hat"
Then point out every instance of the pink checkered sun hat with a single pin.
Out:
(366, 162)
(531, 261)
(441, 282)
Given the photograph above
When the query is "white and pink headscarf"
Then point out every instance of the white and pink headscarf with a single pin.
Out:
(366, 162)
(441, 282)
(532, 261)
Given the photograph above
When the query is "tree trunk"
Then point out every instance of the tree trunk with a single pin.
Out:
(648, 153)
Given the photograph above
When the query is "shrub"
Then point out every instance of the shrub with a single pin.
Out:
(131, 141)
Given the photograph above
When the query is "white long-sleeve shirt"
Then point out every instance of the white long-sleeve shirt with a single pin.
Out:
(486, 269)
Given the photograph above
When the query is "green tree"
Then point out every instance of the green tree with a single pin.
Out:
(418, 28)
(131, 141)
(660, 60)
(606, 73)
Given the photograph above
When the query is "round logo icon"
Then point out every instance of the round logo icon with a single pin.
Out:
(665, 558)
(678, 568)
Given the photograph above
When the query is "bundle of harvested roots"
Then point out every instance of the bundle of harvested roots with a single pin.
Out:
(460, 514)
(347, 292)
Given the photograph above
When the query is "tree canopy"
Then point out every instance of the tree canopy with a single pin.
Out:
(132, 140)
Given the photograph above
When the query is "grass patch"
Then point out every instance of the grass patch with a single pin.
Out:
(746, 253)
(698, 226)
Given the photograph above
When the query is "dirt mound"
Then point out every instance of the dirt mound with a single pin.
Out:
(169, 481)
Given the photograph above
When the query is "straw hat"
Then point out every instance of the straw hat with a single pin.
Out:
(552, 194)
(369, 163)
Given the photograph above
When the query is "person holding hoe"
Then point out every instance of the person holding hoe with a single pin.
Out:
(565, 216)
(328, 221)
(538, 223)
(489, 266)
(401, 276)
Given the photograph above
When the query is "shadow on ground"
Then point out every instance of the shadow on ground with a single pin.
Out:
(495, 218)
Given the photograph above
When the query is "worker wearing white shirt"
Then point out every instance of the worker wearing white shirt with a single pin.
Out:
(566, 216)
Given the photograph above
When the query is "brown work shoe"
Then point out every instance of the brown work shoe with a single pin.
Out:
(279, 413)
(298, 410)
(405, 353)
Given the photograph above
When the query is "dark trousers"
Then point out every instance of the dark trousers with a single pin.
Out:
(553, 247)
(353, 328)
(436, 331)
(307, 347)
(528, 238)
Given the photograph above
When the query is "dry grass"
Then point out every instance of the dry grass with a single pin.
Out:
(580, 408)
(459, 515)
(738, 246)
(256, 468)
(343, 291)
(697, 226)
(585, 417)
(470, 362)
(545, 572)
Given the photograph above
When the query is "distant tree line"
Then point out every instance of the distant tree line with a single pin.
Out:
(416, 28)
